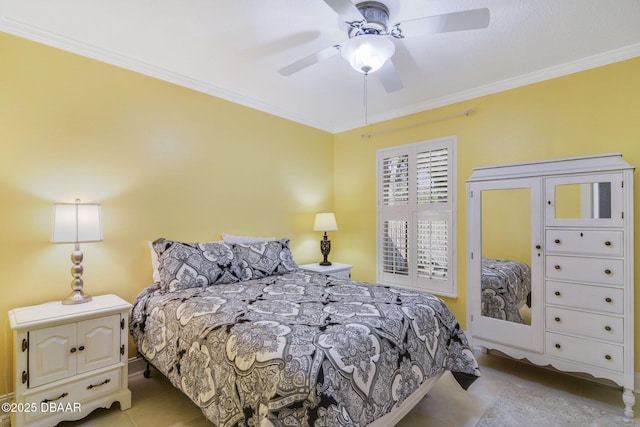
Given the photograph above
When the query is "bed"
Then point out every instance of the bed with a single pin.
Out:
(506, 288)
(255, 341)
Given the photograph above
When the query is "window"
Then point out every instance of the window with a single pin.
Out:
(416, 212)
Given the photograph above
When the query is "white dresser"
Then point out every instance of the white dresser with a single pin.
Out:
(571, 221)
(336, 269)
(69, 360)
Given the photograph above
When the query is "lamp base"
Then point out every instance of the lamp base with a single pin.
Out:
(325, 248)
(76, 297)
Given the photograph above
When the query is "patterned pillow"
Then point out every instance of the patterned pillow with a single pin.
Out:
(191, 265)
(262, 259)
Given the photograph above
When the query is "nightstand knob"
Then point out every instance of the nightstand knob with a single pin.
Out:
(557, 319)
(557, 267)
(608, 357)
(607, 299)
(607, 271)
(81, 348)
(73, 349)
(557, 293)
(607, 328)
(607, 243)
(557, 241)
(558, 346)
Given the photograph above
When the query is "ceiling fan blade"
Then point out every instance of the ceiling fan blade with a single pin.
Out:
(309, 60)
(345, 9)
(456, 21)
(389, 77)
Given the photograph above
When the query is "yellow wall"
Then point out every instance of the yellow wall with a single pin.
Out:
(591, 112)
(163, 161)
(506, 232)
(167, 161)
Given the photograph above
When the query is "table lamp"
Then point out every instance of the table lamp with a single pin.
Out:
(76, 223)
(325, 221)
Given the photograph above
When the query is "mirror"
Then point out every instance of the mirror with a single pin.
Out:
(591, 200)
(506, 254)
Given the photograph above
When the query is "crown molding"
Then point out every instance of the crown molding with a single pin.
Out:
(32, 33)
(583, 64)
(57, 41)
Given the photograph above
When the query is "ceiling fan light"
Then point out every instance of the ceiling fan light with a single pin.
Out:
(368, 52)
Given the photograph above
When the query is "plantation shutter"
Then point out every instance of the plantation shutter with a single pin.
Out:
(415, 216)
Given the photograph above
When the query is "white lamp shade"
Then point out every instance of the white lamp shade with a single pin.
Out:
(325, 221)
(76, 223)
(368, 52)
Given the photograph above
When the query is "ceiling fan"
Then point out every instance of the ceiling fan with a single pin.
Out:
(369, 47)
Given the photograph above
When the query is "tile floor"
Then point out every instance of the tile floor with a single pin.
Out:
(156, 403)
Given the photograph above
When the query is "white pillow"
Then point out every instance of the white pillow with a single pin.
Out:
(154, 262)
(230, 238)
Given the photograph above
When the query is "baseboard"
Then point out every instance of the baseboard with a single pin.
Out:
(5, 419)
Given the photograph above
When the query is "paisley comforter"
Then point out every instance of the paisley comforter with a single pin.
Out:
(299, 349)
(506, 286)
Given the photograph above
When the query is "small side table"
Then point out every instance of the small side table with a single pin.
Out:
(337, 270)
(69, 359)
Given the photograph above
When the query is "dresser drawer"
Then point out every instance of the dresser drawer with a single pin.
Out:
(600, 298)
(602, 355)
(597, 242)
(590, 325)
(593, 270)
(70, 396)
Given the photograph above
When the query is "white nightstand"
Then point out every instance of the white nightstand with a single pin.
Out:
(337, 270)
(69, 360)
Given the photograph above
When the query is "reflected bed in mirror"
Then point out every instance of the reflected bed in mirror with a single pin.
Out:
(506, 290)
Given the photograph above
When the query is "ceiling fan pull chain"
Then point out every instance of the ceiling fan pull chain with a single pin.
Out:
(366, 102)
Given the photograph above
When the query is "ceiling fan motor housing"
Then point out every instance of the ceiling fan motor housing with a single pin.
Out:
(376, 18)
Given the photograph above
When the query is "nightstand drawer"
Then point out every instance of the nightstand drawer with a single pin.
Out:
(69, 397)
(343, 274)
(335, 270)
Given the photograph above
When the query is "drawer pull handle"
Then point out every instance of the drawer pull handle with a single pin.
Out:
(558, 346)
(557, 267)
(557, 293)
(107, 381)
(63, 395)
(607, 299)
(607, 328)
(607, 357)
(607, 271)
(607, 243)
(81, 348)
(73, 350)
(557, 241)
(557, 319)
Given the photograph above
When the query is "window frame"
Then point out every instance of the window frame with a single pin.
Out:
(410, 213)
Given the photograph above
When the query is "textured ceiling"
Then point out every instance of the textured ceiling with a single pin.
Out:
(233, 49)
